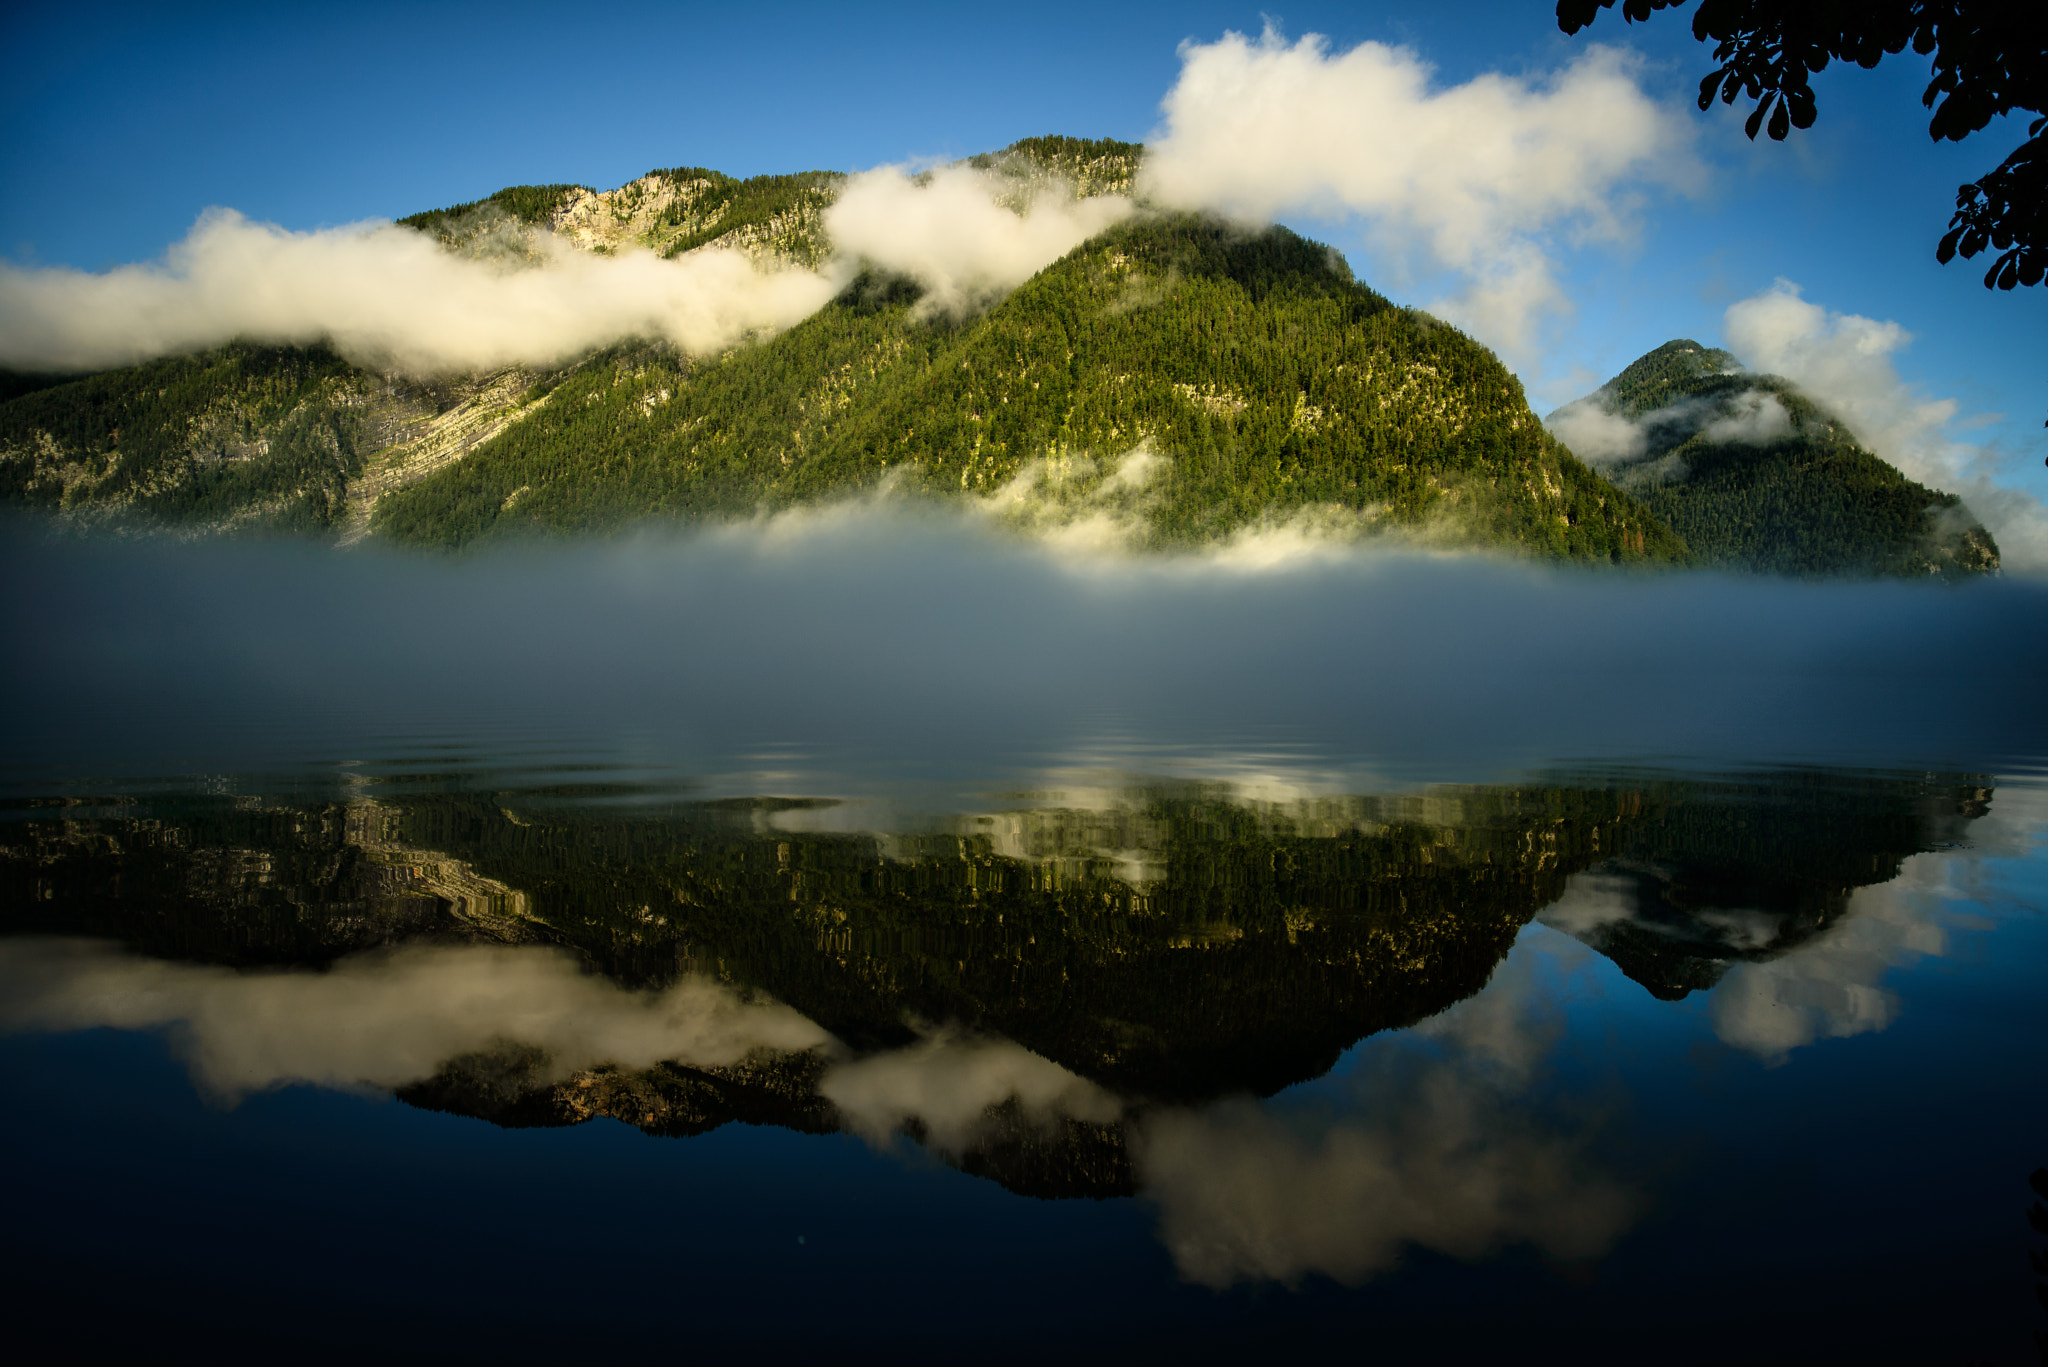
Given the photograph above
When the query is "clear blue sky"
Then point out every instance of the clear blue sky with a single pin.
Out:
(122, 123)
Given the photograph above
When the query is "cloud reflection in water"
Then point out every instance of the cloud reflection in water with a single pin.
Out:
(947, 1084)
(1432, 1150)
(383, 1020)
(1439, 1148)
(1784, 994)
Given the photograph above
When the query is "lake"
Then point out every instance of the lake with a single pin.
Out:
(853, 932)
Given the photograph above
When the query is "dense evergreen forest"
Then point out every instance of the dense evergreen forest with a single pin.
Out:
(530, 204)
(1795, 495)
(1092, 166)
(1268, 380)
(243, 439)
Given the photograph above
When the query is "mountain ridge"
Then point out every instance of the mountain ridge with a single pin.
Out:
(1177, 378)
(1332, 399)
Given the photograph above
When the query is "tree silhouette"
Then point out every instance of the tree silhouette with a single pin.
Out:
(1990, 58)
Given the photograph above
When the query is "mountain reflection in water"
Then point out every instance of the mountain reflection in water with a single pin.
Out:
(1071, 999)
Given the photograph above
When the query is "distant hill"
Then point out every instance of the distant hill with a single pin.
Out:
(1757, 476)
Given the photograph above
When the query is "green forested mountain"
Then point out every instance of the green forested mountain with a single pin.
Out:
(1756, 476)
(1185, 377)
(1268, 380)
(246, 438)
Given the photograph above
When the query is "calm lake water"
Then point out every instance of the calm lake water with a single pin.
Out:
(851, 933)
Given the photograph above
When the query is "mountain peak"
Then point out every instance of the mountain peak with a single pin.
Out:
(1755, 474)
(1655, 378)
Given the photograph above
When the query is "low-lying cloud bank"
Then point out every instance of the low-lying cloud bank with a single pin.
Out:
(390, 296)
(387, 295)
(1605, 439)
(1480, 179)
(924, 641)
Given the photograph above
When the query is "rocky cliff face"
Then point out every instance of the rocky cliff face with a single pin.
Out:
(773, 219)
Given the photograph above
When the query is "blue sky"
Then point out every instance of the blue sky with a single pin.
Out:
(124, 123)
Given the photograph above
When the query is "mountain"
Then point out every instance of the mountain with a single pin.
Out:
(1757, 476)
(1185, 376)
(1174, 379)
(1250, 375)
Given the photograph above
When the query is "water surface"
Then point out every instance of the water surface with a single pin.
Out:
(859, 935)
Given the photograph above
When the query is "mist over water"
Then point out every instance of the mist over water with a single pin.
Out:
(890, 640)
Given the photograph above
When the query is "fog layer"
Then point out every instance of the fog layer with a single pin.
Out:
(880, 638)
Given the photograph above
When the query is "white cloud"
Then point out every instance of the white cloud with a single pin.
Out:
(388, 295)
(1595, 434)
(947, 231)
(1480, 179)
(384, 1020)
(1602, 437)
(1844, 361)
(1757, 419)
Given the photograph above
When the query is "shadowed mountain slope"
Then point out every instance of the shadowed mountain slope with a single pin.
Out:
(1755, 475)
